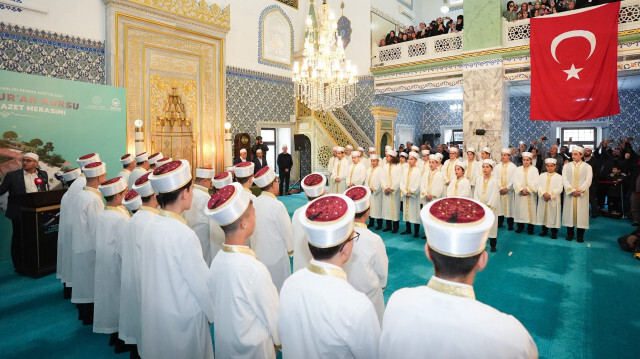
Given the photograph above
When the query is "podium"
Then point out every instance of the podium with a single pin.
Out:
(39, 217)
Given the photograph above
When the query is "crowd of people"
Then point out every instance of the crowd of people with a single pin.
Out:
(529, 185)
(538, 8)
(439, 26)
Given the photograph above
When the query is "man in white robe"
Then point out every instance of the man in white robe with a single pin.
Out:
(474, 167)
(410, 194)
(444, 318)
(321, 314)
(504, 174)
(368, 267)
(109, 236)
(348, 153)
(141, 199)
(244, 298)
(391, 177)
(197, 220)
(331, 167)
(576, 178)
(449, 167)
(128, 164)
(357, 171)
(64, 230)
(176, 305)
(313, 186)
(486, 191)
(244, 175)
(525, 187)
(374, 182)
(549, 207)
(340, 172)
(273, 241)
(432, 183)
(87, 208)
(142, 167)
(460, 185)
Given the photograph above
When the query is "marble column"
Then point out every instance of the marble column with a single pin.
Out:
(485, 107)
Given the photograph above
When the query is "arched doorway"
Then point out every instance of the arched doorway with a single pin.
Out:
(384, 141)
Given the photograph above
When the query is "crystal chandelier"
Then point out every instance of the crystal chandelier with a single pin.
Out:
(325, 81)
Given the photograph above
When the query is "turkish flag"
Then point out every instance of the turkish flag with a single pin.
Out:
(574, 65)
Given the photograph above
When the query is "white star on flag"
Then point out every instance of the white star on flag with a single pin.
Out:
(572, 72)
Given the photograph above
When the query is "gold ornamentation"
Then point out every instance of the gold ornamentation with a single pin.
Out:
(292, 3)
(446, 288)
(193, 9)
(173, 64)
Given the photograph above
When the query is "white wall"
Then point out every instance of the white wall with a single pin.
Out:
(82, 18)
(242, 39)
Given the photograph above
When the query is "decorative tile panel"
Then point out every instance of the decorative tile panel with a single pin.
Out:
(255, 96)
(45, 53)
(275, 38)
(625, 124)
(409, 113)
(439, 114)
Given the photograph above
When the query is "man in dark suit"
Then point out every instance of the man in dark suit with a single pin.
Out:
(29, 179)
(259, 145)
(242, 158)
(259, 161)
(285, 162)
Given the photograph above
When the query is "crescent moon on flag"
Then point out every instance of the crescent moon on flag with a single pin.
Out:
(569, 34)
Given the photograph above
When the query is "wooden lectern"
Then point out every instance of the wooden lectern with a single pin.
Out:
(39, 216)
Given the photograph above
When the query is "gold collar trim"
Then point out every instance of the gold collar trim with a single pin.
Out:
(358, 224)
(150, 209)
(95, 191)
(328, 271)
(201, 188)
(172, 215)
(117, 209)
(451, 289)
(269, 194)
(248, 190)
(238, 249)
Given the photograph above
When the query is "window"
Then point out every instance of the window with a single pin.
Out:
(269, 139)
(582, 136)
(457, 137)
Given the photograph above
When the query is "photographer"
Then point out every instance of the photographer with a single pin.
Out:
(259, 145)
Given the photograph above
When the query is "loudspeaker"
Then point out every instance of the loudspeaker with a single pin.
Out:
(428, 138)
(479, 132)
(299, 142)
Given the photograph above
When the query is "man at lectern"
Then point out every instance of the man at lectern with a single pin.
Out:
(29, 179)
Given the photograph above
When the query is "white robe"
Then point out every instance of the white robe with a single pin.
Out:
(130, 329)
(323, 316)
(459, 188)
(135, 174)
(374, 182)
(301, 252)
(202, 224)
(177, 307)
(391, 177)
(422, 320)
(357, 174)
(504, 175)
(410, 184)
(88, 207)
(432, 183)
(486, 191)
(549, 211)
(575, 211)
(340, 170)
(245, 305)
(473, 171)
(63, 261)
(525, 206)
(109, 235)
(330, 168)
(125, 173)
(368, 267)
(449, 170)
(273, 237)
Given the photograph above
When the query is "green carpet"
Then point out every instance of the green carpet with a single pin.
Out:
(578, 300)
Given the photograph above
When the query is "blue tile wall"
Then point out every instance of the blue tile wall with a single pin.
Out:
(438, 114)
(409, 112)
(359, 108)
(627, 123)
(45, 53)
(256, 96)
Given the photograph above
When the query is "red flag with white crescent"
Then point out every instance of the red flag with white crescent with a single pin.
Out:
(574, 65)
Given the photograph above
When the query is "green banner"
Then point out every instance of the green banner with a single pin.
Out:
(60, 120)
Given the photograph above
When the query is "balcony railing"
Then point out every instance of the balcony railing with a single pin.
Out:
(517, 33)
(418, 50)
